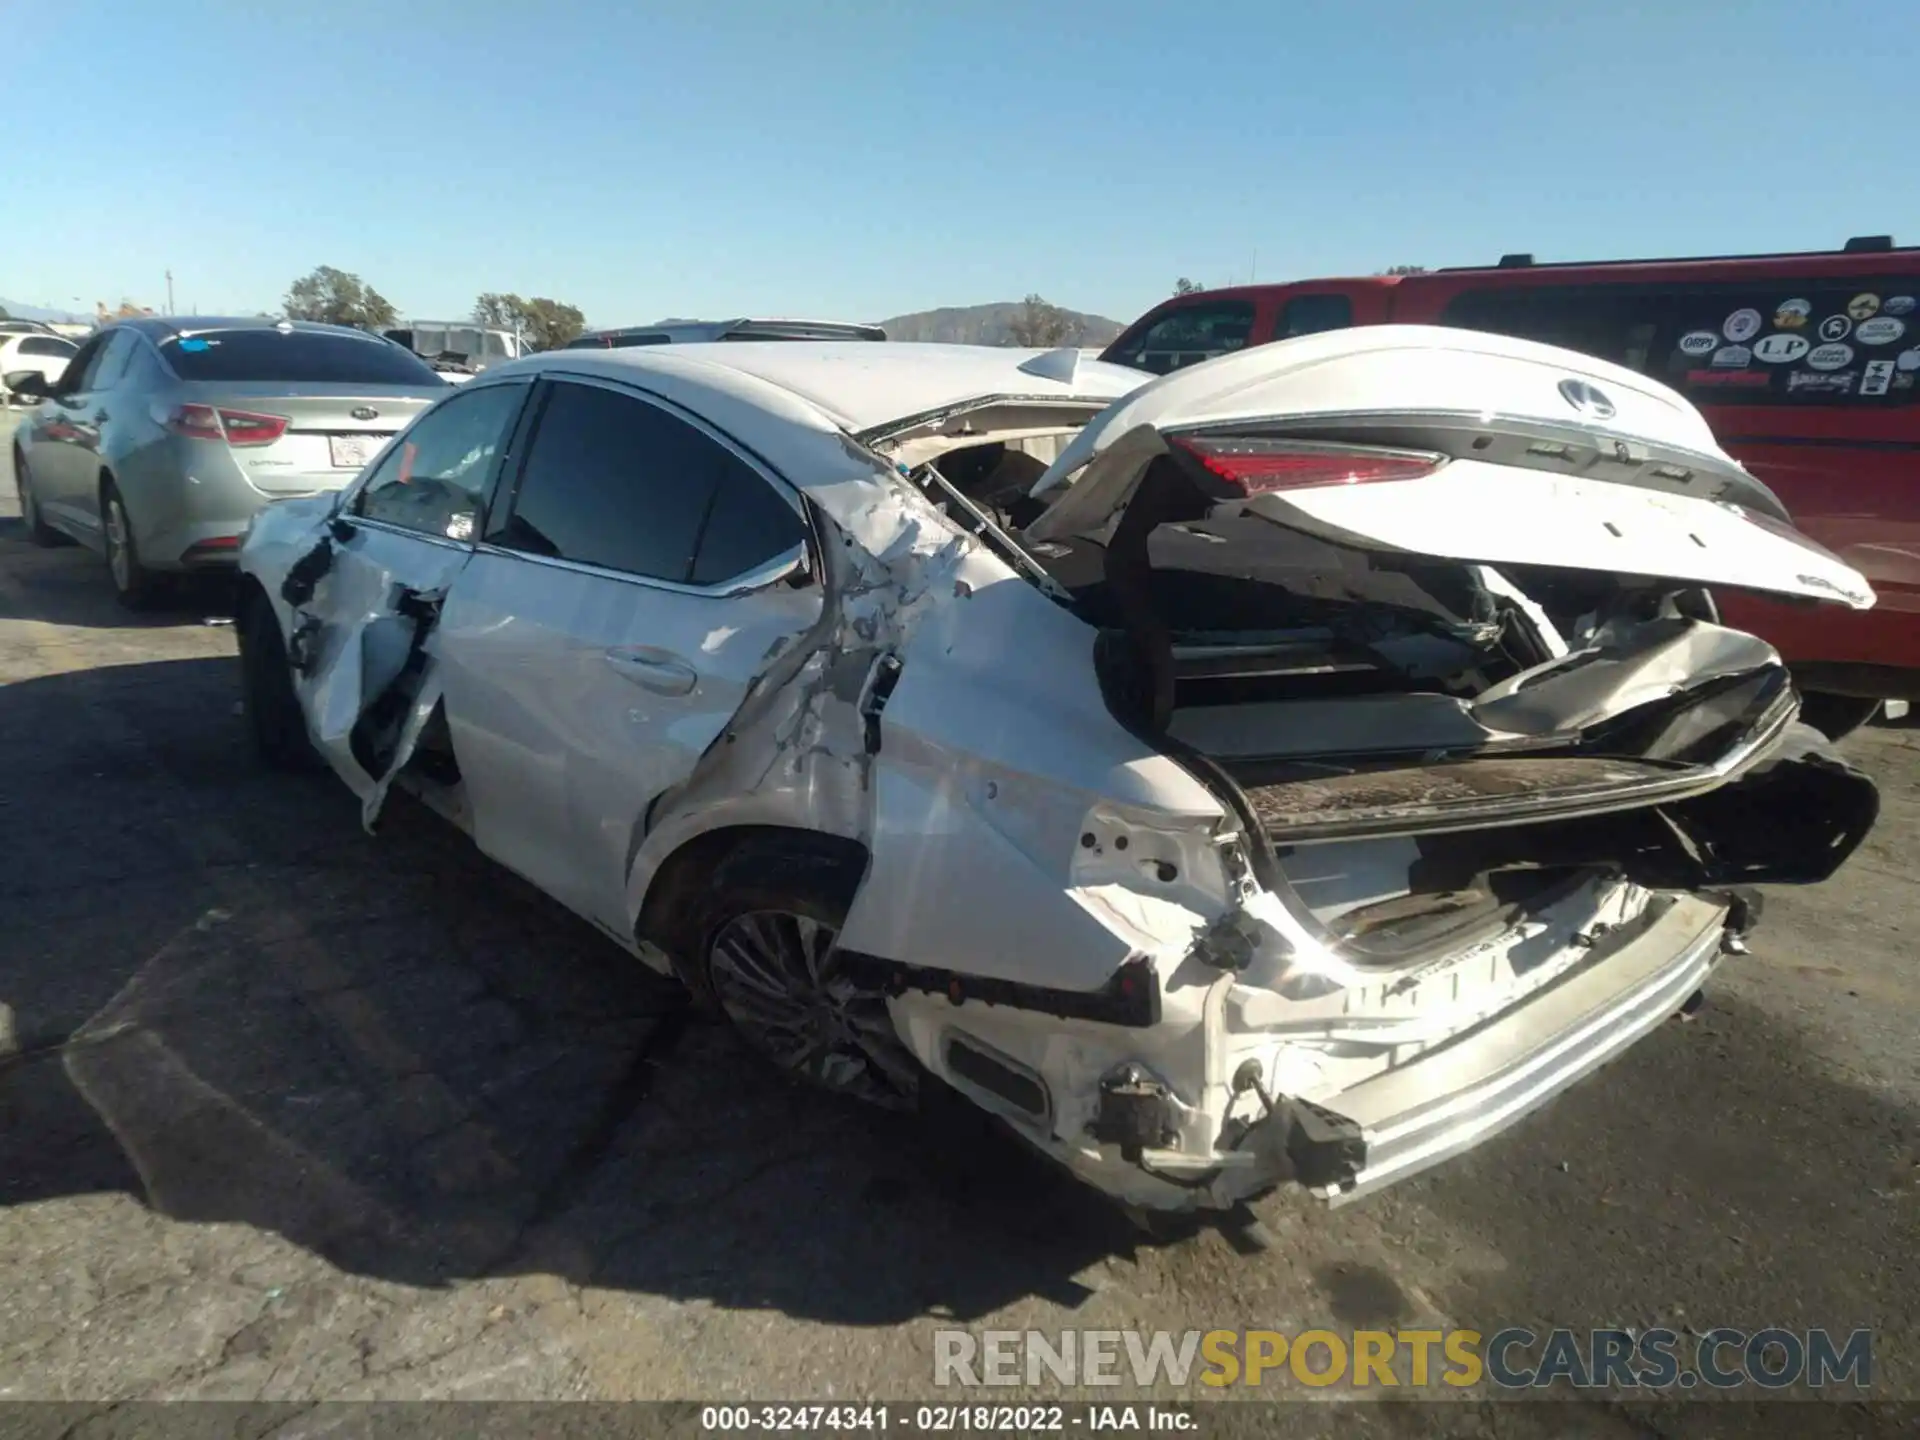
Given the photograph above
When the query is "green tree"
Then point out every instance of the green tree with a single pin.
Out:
(338, 298)
(3, 313)
(1040, 324)
(544, 324)
(1184, 286)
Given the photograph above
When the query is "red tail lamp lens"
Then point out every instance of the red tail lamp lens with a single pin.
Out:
(1257, 467)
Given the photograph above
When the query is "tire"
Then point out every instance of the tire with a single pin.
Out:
(274, 717)
(1836, 716)
(38, 531)
(134, 585)
(764, 933)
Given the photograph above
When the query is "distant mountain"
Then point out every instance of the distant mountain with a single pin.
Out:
(988, 325)
(20, 311)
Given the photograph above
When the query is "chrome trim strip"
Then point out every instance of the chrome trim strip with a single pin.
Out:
(771, 573)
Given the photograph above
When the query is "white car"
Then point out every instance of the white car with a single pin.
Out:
(1327, 760)
(44, 354)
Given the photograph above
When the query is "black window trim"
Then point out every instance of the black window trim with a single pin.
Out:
(771, 572)
(349, 495)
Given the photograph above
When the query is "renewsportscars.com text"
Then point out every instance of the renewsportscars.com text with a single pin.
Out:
(1514, 1358)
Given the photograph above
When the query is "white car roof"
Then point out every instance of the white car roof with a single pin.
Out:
(843, 386)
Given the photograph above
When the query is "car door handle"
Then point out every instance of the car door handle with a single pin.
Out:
(99, 417)
(660, 671)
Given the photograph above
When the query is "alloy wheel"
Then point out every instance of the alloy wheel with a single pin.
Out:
(786, 989)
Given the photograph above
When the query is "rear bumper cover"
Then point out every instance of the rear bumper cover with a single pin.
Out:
(1457, 1095)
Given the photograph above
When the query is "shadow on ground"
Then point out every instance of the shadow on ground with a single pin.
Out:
(228, 1000)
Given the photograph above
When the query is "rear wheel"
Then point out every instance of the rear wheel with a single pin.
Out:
(38, 531)
(134, 584)
(1837, 716)
(274, 717)
(767, 947)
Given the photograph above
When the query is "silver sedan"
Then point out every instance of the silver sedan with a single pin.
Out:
(165, 436)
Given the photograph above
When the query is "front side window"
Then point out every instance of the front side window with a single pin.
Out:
(615, 481)
(86, 360)
(111, 368)
(434, 478)
(1187, 335)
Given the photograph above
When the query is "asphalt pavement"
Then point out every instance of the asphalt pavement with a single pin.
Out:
(288, 1111)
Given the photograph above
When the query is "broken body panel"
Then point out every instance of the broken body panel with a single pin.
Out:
(1215, 835)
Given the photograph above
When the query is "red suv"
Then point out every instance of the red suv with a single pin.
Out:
(1806, 365)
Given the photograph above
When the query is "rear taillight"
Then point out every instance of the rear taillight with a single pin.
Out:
(1256, 467)
(236, 427)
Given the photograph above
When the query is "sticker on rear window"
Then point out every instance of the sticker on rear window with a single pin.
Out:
(1898, 305)
(1878, 377)
(1829, 357)
(1698, 342)
(1741, 325)
(1745, 379)
(1883, 331)
(1733, 357)
(1781, 349)
(1835, 327)
(1792, 314)
(194, 342)
(1864, 306)
(1909, 359)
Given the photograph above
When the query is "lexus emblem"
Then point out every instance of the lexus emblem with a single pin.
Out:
(367, 412)
(1589, 400)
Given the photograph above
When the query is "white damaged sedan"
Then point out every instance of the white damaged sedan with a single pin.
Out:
(1330, 757)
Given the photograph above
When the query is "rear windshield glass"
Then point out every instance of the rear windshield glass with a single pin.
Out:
(299, 356)
(1829, 342)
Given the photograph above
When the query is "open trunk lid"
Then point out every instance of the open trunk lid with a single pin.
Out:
(1454, 445)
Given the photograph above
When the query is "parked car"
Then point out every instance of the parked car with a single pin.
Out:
(36, 350)
(1342, 761)
(700, 332)
(457, 349)
(1807, 365)
(162, 437)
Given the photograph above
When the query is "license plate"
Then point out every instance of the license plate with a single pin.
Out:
(350, 452)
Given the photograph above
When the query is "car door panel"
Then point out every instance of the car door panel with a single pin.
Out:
(365, 630)
(635, 581)
(366, 601)
(577, 697)
(66, 443)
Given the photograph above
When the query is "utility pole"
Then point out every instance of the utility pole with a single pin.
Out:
(169, 292)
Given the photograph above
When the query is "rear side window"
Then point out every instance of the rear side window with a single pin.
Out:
(748, 524)
(1828, 342)
(614, 481)
(622, 342)
(1186, 335)
(1311, 314)
(1601, 321)
(45, 346)
(295, 357)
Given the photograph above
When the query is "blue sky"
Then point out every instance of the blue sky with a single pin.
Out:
(857, 160)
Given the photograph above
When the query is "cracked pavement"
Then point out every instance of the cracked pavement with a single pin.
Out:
(292, 1113)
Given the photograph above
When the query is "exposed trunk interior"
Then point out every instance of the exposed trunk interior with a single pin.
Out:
(1415, 758)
